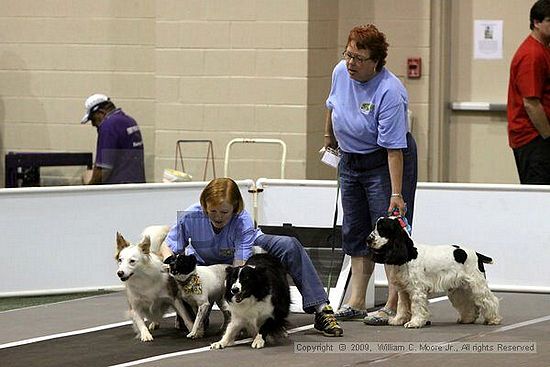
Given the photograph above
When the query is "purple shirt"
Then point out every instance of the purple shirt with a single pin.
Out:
(120, 149)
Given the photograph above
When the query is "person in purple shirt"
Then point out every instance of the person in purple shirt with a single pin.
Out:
(119, 153)
(218, 230)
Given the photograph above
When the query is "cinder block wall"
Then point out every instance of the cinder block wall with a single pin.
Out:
(188, 69)
(233, 69)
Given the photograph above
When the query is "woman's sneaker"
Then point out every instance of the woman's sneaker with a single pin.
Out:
(380, 317)
(326, 323)
(346, 312)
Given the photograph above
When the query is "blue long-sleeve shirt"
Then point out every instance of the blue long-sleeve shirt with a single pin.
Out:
(193, 234)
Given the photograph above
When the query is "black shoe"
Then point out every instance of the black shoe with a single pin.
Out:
(326, 323)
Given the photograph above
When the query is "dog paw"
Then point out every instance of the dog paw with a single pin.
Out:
(495, 321)
(195, 335)
(414, 324)
(258, 342)
(465, 321)
(217, 345)
(154, 326)
(397, 321)
(146, 337)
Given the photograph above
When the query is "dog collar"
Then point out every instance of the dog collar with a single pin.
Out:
(192, 285)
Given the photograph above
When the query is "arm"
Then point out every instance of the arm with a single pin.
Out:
(165, 251)
(238, 262)
(395, 164)
(98, 175)
(538, 117)
(330, 139)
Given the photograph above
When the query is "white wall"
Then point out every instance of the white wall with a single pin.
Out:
(63, 238)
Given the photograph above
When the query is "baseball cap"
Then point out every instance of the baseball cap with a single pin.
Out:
(91, 104)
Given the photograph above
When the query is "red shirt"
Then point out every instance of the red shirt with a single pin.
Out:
(529, 77)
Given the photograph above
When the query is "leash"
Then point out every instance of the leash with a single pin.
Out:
(329, 282)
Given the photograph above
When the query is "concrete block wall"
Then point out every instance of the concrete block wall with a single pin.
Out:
(232, 69)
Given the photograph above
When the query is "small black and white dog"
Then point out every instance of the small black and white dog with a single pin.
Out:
(200, 287)
(422, 269)
(258, 298)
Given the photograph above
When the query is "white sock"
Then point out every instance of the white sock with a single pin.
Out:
(319, 308)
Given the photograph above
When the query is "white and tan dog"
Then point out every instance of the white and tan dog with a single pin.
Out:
(422, 269)
(150, 289)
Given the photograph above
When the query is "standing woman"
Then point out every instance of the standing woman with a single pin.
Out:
(367, 121)
(218, 230)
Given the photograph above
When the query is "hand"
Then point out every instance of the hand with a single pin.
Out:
(330, 142)
(86, 176)
(397, 202)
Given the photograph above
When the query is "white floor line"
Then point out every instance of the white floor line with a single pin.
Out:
(521, 324)
(197, 350)
(206, 349)
(114, 325)
(499, 330)
(62, 335)
(71, 333)
(438, 299)
(53, 303)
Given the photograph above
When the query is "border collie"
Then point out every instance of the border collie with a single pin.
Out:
(150, 290)
(258, 297)
(423, 269)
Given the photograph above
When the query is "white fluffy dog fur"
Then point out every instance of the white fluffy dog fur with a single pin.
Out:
(422, 269)
(150, 290)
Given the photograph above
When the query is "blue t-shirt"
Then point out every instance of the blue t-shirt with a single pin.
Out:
(193, 233)
(367, 116)
(120, 149)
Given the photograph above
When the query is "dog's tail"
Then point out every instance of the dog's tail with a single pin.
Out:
(157, 234)
(482, 259)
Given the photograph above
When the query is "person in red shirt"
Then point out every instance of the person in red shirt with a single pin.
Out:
(529, 100)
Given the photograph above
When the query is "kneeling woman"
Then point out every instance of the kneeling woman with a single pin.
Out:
(219, 231)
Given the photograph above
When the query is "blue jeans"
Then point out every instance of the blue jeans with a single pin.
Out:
(366, 190)
(295, 259)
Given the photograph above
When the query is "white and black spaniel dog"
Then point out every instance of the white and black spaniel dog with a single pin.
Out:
(422, 269)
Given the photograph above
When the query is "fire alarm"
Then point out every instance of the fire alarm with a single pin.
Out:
(414, 67)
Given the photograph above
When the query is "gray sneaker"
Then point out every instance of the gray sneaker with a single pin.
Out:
(346, 312)
(380, 317)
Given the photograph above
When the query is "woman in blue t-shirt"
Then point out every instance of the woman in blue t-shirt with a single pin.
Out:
(367, 122)
(219, 231)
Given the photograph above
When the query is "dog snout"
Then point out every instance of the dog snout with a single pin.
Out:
(370, 239)
(120, 273)
(235, 289)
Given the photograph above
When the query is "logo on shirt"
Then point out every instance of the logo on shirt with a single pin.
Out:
(227, 252)
(367, 107)
(132, 129)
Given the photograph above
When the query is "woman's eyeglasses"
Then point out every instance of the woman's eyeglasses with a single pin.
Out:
(348, 56)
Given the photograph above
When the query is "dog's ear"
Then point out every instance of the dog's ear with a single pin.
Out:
(260, 270)
(192, 260)
(120, 242)
(145, 244)
(228, 270)
(400, 248)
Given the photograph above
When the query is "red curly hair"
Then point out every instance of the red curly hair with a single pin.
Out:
(368, 37)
